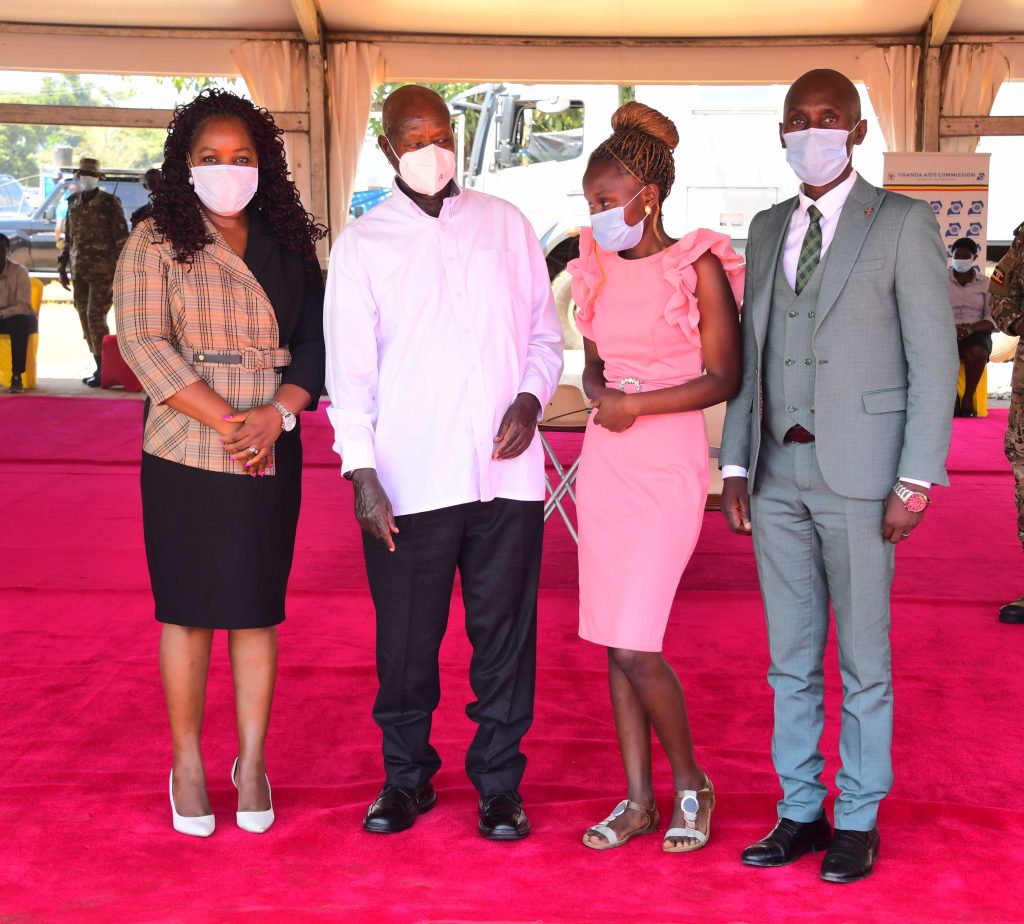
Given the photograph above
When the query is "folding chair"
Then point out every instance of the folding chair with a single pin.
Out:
(567, 412)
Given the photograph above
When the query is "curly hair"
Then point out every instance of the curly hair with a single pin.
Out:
(642, 142)
(176, 210)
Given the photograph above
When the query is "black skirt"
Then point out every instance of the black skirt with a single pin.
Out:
(220, 546)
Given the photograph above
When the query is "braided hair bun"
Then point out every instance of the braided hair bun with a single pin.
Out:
(636, 117)
(642, 143)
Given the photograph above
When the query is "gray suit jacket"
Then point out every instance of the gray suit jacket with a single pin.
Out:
(884, 345)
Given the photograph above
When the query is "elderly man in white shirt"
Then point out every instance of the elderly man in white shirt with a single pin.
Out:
(443, 346)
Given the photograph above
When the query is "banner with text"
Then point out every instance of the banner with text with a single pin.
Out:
(954, 185)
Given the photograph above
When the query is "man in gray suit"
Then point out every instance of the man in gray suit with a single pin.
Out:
(829, 453)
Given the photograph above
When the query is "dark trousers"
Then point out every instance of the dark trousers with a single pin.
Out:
(19, 327)
(497, 548)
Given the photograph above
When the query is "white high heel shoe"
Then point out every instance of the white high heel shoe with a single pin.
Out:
(254, 822)
(196, 825)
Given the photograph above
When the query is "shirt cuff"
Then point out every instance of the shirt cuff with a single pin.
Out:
(922, 484)
(357, 455)
(535, 385)
(734, 471)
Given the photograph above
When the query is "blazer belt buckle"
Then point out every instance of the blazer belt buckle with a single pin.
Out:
(253, 358)
(629, 380)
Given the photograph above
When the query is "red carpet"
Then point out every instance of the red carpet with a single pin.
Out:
(85, 833)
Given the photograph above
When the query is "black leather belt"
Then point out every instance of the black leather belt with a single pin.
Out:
(797, 434)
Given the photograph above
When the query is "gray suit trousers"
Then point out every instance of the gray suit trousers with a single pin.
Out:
(813, 545)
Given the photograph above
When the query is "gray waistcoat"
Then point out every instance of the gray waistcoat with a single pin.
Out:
(788, 361)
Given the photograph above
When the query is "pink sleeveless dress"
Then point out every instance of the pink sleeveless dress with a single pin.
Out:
(641, 493)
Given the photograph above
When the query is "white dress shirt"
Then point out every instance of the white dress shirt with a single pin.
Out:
(831, 206)
(433, 326)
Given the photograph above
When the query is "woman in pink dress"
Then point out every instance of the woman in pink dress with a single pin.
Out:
(661, 337)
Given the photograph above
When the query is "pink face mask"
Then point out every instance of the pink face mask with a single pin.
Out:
(426, 170)
(225, 189)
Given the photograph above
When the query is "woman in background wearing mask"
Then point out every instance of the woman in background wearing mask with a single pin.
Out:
(968, 291)
(219, 313)
(662, 342)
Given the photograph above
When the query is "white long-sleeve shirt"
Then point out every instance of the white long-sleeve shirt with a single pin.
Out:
(433, 326)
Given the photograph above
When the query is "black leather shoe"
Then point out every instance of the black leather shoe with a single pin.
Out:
(788, 842)
(851, 855)
(398, 807)
(93, 381)
(16, 387)
(1013, 613)
(502, 817)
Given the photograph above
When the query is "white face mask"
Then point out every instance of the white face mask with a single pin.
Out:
(963, 266)
(817, 155)
(426, 170)
(612, 232)
(89, 183)
(225, 189)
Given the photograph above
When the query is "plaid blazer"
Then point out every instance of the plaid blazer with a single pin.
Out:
(170, 314)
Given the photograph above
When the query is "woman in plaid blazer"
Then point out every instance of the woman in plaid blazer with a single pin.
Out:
(219, 300)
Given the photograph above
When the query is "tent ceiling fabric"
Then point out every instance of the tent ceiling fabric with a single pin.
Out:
(397, 27)
(179, 14)
(613, 18)
(600, 18)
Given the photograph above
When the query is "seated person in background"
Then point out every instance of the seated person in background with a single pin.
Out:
(17, 319)
(968, 291)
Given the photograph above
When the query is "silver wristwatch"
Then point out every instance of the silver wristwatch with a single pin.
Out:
(287, 417)
(914, 501)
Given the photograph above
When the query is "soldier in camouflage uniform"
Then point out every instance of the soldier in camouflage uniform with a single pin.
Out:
(1006, 293)
(94, 233)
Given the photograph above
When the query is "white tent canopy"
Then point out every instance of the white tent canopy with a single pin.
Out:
(605, 41)
(932, 66)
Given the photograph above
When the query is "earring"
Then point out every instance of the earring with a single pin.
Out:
(191, 182)
(647, 210)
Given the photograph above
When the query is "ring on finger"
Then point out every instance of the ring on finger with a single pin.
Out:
(905, 535)
(253, 450)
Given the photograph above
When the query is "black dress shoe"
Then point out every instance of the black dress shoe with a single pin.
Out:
(398, 807)
(16, 387)
(1013, 613)
(502, 817)
(788, 842)
(851, 855)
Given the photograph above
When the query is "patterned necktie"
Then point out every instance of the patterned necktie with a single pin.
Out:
(810, 250)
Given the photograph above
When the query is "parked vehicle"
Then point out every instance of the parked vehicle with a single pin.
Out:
(530, 143)
(13, 196)
(33, 241)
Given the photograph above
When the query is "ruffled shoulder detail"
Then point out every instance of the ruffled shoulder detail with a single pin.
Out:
(682, 309)
(587, 277)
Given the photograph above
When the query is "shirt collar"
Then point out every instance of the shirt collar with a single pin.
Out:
(832, 201)
(450, 203)
(975, 272)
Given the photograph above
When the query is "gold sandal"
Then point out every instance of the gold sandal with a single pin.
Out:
(612, 839)
(691, 802)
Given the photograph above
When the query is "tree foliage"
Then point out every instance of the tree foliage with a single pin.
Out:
(26, 149)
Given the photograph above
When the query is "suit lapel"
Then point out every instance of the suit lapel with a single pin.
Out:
(226, 257)
(855, 221)
(775, 238)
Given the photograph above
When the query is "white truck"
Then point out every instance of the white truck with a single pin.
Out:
(530, 143)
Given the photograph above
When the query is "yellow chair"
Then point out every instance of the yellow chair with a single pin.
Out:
(980, 393)
(29, 378)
